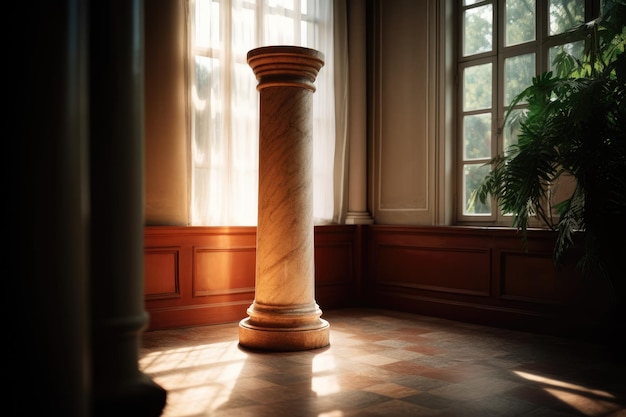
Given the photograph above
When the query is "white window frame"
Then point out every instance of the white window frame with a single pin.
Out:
(540, 47)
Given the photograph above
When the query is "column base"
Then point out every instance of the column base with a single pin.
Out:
(358, 217)
(283, 339)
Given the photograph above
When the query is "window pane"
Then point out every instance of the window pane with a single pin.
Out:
(207, 105)
(565, 15)
(563, 57)
(472, 176)
(282, 29)
(518, 74)
(477, 136)
(477, 87)
(207, 35)
(520, 21)
(307, 31)
(243, 30)
(287, 4)
(511, 127)
(478, 30)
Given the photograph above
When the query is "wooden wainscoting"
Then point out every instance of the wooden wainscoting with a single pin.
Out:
(479, 275)
(205, 275)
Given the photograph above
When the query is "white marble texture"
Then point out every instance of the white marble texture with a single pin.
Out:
(284, 314)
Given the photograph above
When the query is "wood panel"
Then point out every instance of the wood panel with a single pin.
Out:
(337, 279)
(161, 266)
(215, 273)
(223, 271)
(453, 270)
(206, 275)
(200, 275)
(533, 277)
(478, 275)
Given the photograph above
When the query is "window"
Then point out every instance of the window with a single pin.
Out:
(502, 46)
(224, 102)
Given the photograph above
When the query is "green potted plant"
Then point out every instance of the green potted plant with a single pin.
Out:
(574, 124)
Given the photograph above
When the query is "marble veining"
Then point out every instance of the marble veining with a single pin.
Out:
(284, 315)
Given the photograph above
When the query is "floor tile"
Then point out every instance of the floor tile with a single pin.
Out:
(385, 363)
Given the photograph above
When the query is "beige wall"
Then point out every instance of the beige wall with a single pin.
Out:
(166, 137)
(406, 140)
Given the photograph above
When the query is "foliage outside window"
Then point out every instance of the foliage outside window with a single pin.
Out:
(503, 46)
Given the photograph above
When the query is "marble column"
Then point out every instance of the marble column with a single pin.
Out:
(284, 315)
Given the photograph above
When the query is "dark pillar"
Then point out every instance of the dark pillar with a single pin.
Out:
(117, 203)
(48, 351)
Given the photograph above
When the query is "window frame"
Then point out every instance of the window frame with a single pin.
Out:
(540, 46)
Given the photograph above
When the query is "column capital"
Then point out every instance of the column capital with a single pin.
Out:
(284, 65)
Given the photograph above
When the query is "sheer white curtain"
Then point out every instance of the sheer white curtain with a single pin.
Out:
(224, 107)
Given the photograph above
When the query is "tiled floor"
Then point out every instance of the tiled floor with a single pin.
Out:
(383, 363)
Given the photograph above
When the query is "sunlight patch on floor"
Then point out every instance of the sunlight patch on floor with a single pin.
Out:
(588, 401)
(324, 381)
(334, 413)
(563, 384)
(198, 379)
(584, 404)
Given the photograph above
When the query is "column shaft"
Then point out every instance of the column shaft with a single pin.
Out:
(285, 247)
(284, 315)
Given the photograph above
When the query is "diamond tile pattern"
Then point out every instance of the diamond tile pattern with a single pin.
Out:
(390, 364)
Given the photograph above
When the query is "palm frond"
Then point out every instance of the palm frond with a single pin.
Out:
(574, 123)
